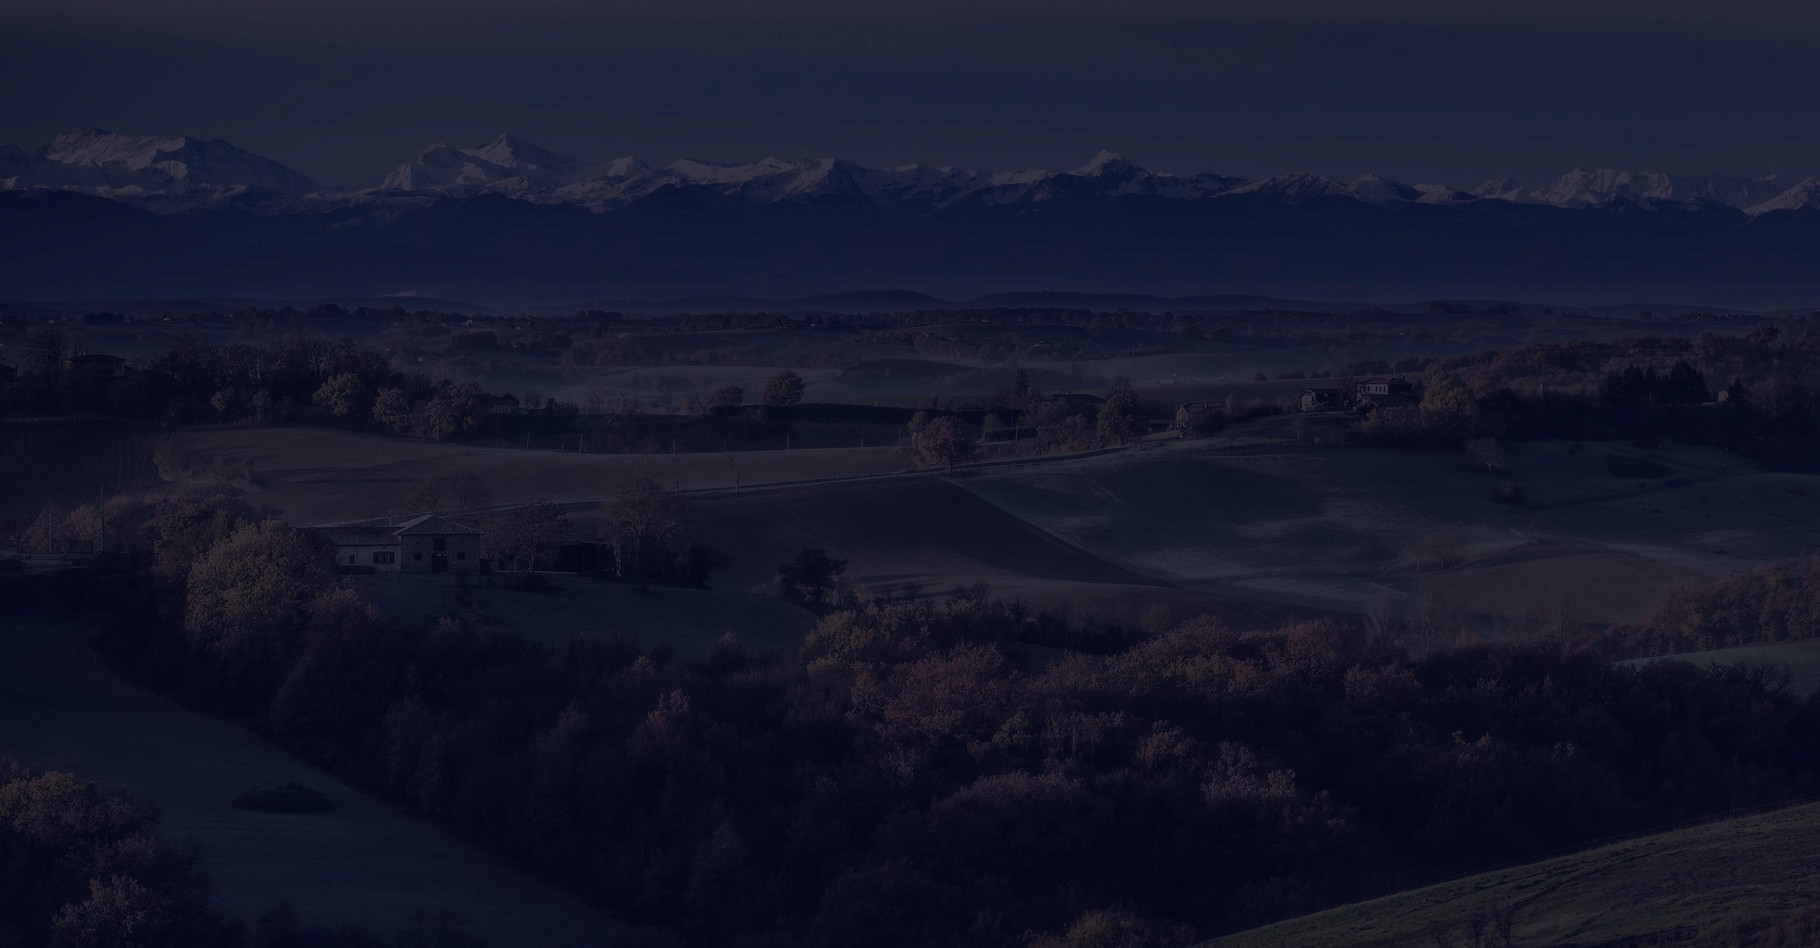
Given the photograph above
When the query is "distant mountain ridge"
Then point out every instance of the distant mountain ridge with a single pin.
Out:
(150, 167)
(96, 213)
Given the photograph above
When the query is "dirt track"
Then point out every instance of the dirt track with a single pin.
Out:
(363, 862)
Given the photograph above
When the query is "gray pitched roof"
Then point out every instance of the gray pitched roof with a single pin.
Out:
(433, 525)
(360, 536)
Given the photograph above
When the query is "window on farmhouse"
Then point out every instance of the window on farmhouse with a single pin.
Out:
(441, 544)
(383, 558)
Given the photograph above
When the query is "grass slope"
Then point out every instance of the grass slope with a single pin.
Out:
(1800, 659)
(363, 862)
(1658, 890)
(1339, 527)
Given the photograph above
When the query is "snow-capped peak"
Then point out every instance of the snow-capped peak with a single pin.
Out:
(623, 167)
(507, 163)
(707, 172)
(98, 147)
(1103, 162)
(508, 151)
(1375, 189)
(1299, 186)
(97, 158)
(1803, 196)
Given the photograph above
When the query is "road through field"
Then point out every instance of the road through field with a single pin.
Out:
(363, 863)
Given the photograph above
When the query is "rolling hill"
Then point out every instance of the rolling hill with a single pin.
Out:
(1691, 886)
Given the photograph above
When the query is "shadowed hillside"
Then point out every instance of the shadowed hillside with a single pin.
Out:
(927, 535)
(1697, 886)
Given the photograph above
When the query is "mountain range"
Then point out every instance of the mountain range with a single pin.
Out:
(97, 212)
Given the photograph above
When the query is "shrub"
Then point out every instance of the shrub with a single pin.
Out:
(1621, 466)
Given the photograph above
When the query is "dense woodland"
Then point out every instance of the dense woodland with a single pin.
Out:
(967, 771)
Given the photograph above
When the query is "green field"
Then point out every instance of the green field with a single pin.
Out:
(1667, 889)
(1800, 659)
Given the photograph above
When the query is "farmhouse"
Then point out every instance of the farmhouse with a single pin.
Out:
(506, 404)
(426, 544)
(95, 367)
(1193, 417)
(1385, 385)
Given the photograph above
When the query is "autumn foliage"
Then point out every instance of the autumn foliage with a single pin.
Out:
(973, 771)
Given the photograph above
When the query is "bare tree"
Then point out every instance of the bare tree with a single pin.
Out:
(647, 528)
(468, 494)
(530, 533)
(422, 497)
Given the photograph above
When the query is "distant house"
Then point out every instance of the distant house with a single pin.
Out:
(1385, 385)
(1195, 416)
(506, 404)
(1323, 399)
(426, 544)
(96, 367)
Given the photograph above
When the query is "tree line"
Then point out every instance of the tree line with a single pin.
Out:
(1756, 394)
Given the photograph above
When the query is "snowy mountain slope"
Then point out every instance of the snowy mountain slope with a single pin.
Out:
(1803, 196)
(506, 164)
(1292, 188)
(1602, 186)
(98, 159)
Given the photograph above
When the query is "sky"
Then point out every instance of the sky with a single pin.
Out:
(1419, 90)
